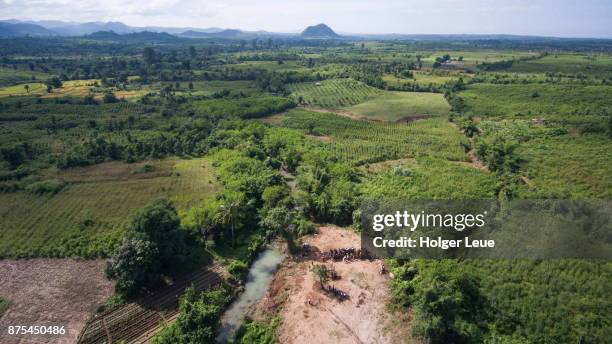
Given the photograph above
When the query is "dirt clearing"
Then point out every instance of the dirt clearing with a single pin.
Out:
(51, 292)
(311, 316)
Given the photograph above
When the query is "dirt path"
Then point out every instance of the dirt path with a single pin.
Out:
(311, 316)
(340, 112)
(358, 117)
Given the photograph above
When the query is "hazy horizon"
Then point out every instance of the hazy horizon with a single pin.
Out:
(537, 18)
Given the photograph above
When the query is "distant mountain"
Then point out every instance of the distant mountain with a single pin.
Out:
(9, 29)
(319, 31)
(227, 33)
(91, 27)
(144, 36)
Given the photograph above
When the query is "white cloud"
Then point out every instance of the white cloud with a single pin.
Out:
(560, 17)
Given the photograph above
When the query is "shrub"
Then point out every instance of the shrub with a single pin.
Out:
(51, 186)
(238, 269)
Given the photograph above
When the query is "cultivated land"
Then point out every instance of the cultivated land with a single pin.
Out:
(87, 215)
(334, 93)
(51, 292)
(254, 141)
(402, 106)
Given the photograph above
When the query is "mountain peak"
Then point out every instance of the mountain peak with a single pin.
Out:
(319, 31)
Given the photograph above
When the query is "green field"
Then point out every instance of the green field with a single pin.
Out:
(360, 142)
(333, 93)
(568, 166)
(475, 57)
(86, 217)
(255, 141)
(9, 76)
(394, 106)
(588, 64)
(555, 101)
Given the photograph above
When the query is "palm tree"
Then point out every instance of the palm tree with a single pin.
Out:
(229, 211)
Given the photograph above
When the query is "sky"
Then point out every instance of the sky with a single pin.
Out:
(564, 18)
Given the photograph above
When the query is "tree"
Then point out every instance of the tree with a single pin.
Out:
(159, 221)
(199, 316)
(448, 305)
(132, 265)
(471, 129)
(192, 52)
(229, 208)
(149, 56)
(320, 270)
(15, 155)
(54, 82)
(26, 87)
(155, 246)
(109, 97)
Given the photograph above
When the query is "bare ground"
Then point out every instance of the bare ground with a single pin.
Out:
(51, 292)
(310, 316)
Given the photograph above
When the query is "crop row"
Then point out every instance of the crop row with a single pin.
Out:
(334, 93)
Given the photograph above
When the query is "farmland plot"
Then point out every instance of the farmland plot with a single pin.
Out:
(395, 106)
(86, 217)
(51, 292)
(360, 142)
(334, 93)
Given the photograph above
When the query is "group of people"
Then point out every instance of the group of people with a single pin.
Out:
(343, 254)
(337, 293)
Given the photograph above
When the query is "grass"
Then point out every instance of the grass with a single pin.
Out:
(424, 78)
(475, 57)
(430, 178)
(568, 166)
(593, 64)
(334, 93)
(10, 76)
(36, 88)
(86, 218)
(250, 107)
(361, 142)
(393, 106)
(207, 88)
(4, 305)
(535, 99)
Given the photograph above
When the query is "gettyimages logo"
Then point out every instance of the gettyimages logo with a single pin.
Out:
(535, 229)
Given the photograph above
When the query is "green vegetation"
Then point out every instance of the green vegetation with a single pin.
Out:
(154, 247)
(198, 319)
(363, 142)
(4, 305)
(395, 106)
(86, 216)
(588, 64)
(446, 301)
(244, 107)
(334, 93)
(561, 103)
(210, 125)
(257, 332)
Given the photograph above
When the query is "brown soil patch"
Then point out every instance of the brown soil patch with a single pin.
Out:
(477, 163)
(117, 170)
(322, 138)
(51, 292)
(386, 165)
(311, 316)
(340, 112)
(410, 119)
